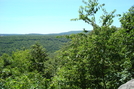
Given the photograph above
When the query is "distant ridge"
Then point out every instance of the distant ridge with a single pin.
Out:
(9, 34)
(66, 33)
(63, 33)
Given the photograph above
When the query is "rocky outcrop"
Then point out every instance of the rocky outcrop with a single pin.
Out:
(128, 85)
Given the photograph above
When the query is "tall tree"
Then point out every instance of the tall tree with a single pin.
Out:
(127, 20)
(38, 58)
(92, 60)
(127, 23)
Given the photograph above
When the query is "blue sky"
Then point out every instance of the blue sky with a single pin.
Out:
(49, 16)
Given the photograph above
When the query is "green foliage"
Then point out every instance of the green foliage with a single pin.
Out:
(25, 69)
(38, 58)
(27, 81)
(127, 20)
(97, 60)
(8, 44)
(88, 12)
(21, 61)
(6, 61)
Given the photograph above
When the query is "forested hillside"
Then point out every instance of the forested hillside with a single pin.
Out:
(100, 59)
(19, 42)
(13, 42)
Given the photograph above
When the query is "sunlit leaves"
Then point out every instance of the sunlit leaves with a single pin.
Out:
(87, 12)
(127, 20)
(107, 18)
(99, 59)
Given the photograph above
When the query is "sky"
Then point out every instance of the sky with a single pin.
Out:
(50, 16)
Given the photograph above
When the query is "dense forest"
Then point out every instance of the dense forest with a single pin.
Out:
(52, 43)
(100, 59)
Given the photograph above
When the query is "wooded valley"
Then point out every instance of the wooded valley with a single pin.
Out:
(8, 44)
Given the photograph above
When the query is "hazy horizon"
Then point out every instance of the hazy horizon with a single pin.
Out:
(44, 33)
